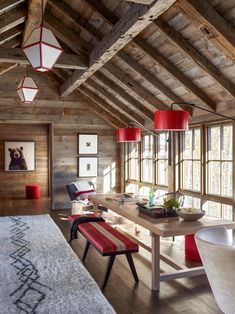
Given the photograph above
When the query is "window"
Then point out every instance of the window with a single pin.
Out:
(219, 160)
(190, 160)
(218, 210)
(162, 159)
(147, 159)
(134, 161)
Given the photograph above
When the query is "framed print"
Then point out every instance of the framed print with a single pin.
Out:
(87, 144)
(20, 156)
(87, 166)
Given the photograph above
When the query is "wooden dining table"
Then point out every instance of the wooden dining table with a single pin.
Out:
(160, 227)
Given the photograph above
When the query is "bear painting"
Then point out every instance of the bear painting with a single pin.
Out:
(17, 160)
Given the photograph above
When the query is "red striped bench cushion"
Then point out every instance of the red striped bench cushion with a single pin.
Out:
(105, 238)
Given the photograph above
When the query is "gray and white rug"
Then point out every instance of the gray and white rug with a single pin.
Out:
(39, 272)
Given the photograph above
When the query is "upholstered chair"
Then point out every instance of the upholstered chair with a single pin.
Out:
(218, 256)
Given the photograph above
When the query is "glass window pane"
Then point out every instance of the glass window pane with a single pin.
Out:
(162, 151)
(227, 149)
(212, 209)
(196, 175)
(214, 143)
(197, 144)
(162, 172)
(214, 177)
(187, 152)
(227, 212)
(192, 202)
(226, 183)
(187, 175)
(147, 170)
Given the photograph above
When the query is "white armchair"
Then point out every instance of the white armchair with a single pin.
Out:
(218, 256)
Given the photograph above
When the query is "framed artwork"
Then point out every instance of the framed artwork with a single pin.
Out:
(20, 156)
(87, 167)
(87, 144)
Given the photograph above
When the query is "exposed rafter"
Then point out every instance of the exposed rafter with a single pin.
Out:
(11, 33)
(16, 55)
(108, 97)
(35, 15)
(212, 23)
(101, 111)
(195, 56)
(159, 58)
(12, 19)
(9, 5)
(132, 23)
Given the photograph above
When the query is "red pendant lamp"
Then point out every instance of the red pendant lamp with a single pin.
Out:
(128, 135)
(171, 120)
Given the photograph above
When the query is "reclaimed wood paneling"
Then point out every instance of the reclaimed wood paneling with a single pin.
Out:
(13, 183)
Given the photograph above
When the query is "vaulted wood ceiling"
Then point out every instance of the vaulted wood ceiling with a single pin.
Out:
(126, 59)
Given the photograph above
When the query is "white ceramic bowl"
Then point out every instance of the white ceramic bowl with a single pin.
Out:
(190, 216)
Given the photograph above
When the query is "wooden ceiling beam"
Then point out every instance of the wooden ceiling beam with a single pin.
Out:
(130, 25)
(159, 58)
(212, 23)
(12, 18)
(35, 16)
(100, 110)
(140, 1)
(68, 37)
(61, 8)
(107, 15)
(16, 55)
(195, 56)
(151, 79)
(127, 81)
(6, 5)
(104, 105)
(112, 100)
(111, 85)
(11, 33)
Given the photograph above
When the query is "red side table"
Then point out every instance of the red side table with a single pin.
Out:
(191, 251)
(32, 191)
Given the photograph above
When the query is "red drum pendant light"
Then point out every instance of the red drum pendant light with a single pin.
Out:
(128, 135)
(171, 120)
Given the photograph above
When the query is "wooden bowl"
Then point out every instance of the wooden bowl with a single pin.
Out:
(190, 217)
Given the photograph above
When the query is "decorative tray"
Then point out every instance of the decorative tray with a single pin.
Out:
(157, 212)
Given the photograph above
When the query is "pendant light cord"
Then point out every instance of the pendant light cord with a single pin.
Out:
(198, 107)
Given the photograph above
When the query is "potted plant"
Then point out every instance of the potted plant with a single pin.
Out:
(171, 204)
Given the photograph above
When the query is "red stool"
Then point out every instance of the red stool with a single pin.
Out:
(32, 191)
(191, 251)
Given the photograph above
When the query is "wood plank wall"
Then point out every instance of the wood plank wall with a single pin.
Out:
(65, 161)
(13, 183)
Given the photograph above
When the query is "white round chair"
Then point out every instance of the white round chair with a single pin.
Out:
(218, 256)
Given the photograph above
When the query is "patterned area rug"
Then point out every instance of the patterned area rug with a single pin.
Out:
(39, 272)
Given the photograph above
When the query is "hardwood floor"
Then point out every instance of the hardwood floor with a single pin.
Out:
(188, 296)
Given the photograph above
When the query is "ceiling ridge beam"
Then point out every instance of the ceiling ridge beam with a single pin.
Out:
(168, 66)
(195, 56)
(212, 24)
(114, 102)
(16, 55)
(131, 24)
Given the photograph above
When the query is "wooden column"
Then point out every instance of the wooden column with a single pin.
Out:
(51, 164)
(171, 159)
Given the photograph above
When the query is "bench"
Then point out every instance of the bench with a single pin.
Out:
(108, 241)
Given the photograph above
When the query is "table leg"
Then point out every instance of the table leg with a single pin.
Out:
(155, 262)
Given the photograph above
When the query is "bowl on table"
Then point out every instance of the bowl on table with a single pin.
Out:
(190, 213)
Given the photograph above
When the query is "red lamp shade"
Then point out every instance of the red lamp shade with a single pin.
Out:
(42, 49)
(128, 135)
(171, 120)
(27, 89)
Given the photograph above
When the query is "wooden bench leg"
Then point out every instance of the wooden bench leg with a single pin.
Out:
(86, 250)
(132, 266)
(108, 270)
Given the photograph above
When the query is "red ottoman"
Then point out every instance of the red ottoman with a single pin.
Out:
(32, 191)
(191, 251)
